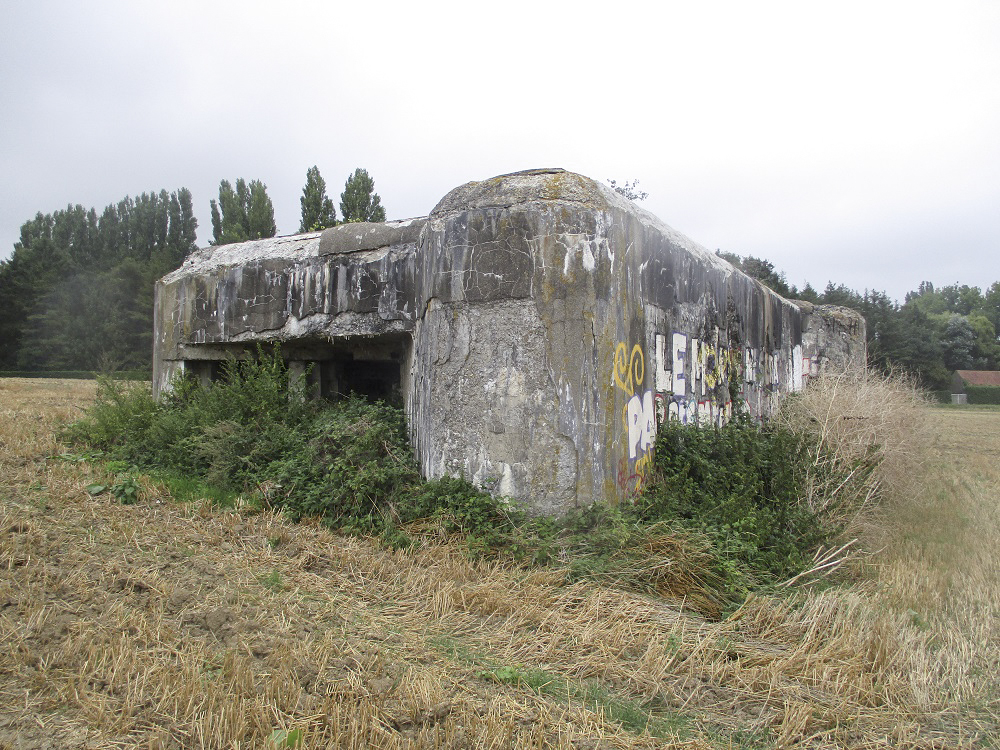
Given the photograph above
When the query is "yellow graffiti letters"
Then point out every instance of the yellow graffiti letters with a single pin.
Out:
(629, 373)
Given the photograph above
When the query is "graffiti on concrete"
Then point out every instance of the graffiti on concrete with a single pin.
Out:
(691, 385)
(640, 420)
(692, 379)
(687, 372)
(638, 417)
(629, 370)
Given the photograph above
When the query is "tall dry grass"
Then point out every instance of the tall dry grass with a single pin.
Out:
(167, 626)
(872, 444)
(922, 528)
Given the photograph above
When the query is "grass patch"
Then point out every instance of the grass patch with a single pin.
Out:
(631, 715)
(456, 650)
(272, 581)
(185, 488)
(967, 407)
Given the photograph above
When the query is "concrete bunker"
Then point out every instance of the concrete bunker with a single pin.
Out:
(536, 327)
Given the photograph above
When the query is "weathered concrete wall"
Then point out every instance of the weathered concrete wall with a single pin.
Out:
(540, 325)
(833, 338)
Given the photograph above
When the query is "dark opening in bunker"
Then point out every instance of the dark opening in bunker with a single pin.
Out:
(205, 371)
(376, 380)
(368, 366)
(373, 367)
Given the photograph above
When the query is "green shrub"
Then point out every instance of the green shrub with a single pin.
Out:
(739, 486)
(227, 433)
(355, 464)
(460, 506)
(983, 394)
(348, 462)
(119, 420)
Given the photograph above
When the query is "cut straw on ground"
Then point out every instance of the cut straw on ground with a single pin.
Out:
(168, 626)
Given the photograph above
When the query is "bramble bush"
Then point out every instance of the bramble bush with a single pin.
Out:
(739, 487)
(226, 433)
(728, 509)
(347, 462)
(353, 465)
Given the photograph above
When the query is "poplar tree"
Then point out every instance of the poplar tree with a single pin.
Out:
(245, 213)
(317, 208)
(182, 235)
(359, 201)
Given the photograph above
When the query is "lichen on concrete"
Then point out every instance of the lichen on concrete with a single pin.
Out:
(537, 327)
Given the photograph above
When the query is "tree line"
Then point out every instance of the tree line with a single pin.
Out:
(77, 292)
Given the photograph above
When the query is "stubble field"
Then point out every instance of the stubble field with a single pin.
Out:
(162, 625)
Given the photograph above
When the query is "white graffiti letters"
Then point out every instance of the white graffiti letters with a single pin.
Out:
(640, 416)
(680, 359)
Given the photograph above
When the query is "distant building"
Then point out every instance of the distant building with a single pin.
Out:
(962, 379)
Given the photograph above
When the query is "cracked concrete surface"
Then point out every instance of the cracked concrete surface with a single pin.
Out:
(541, 326)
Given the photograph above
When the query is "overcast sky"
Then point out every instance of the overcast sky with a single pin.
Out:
(857, 142)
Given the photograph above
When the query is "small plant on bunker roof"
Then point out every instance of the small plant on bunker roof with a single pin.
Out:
(629, 189)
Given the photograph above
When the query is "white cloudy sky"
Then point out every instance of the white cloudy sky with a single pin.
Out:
(857, 142)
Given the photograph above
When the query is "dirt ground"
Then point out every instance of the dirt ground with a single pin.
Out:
(161, 625)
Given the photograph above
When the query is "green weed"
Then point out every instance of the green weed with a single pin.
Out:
(272, 581)
(126, 490)
(455, 649)
(282, 738)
